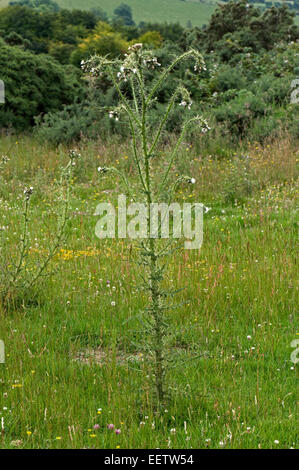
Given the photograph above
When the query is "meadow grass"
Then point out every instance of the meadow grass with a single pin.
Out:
(170, 11)
(75, 360)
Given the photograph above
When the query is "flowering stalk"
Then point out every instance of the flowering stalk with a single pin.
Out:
(133, 70)
(66, 176)
(18, 278)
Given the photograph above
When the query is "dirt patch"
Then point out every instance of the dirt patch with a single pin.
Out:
(101, 357)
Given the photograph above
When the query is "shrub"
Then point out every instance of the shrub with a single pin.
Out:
(33, 85)
(103, 40)
(238, 114)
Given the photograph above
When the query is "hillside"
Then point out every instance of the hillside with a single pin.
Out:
(171, 11)
(154, 10)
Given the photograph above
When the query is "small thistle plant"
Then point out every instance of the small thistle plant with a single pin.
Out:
(137, 92)
(16, 280)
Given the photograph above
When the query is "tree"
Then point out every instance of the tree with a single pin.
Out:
(151, 39)
(229, 18)
(237, 25)
(100, 14)
(33, 85)
(103, 41)
(123, 14)
(29, 24)
(40, 5)
(14, 39)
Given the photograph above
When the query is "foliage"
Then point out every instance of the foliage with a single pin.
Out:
(123, 14)
(151, 39)
(15, 276)
(103, 40)
(39, 5)
(33, 85)
(242, 45)
(68, 125)
(236, 26)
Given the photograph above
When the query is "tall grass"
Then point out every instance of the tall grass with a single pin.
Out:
(74, 360)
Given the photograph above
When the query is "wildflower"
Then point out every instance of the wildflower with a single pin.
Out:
(110, 426)
(199, 66)
(28, 192)
(276, 442)
(28, 433)
(249, 337)
(192, 181)
(74, 155)
(117, 431)
(96, 426)
(172, 431)
(102, 169)
(114, 115)
(4, 159)
(186, 104)
(151, 62)
(136, 47)
(113, 304)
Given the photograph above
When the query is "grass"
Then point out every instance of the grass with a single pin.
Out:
(170, 11)
(73, 360)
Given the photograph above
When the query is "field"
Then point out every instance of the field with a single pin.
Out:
(74, 358)
(170, 11)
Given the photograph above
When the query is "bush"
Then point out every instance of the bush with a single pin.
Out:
(103, 40)
(33, 85)
(229, 78)
(68, 125)
(275, 91)
(239, 113)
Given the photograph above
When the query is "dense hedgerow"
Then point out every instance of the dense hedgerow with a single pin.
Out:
(250, 55)
(34, 84)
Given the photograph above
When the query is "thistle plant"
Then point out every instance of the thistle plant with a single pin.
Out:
(137, 92)
(16, 279)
